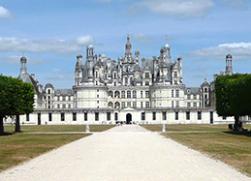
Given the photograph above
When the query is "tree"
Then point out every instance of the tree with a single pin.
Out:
(233, 96)
(16, 98)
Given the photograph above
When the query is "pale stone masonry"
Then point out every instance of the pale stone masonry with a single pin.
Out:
(130, 89)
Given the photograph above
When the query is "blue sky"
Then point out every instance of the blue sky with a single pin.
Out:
(52, 33)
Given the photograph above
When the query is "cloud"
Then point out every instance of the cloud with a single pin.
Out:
(4, 13)
(50, 45)
(240, 50)
(84, 40)
(180, 8)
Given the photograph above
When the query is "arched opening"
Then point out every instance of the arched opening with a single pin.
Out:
(117, 94)
(110, 105)
(128, 118)
(117, 105)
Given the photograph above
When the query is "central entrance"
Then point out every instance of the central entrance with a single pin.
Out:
(128, 118)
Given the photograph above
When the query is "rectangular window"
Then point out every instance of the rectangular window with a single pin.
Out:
(58, 106)
(28, 117)
(143, 116)
(163, 115)
(177, 93)
(134, 104)
(147, 75)
(199, 115)
(108, 116)
(128, 94)
(188, 104)
(62, 117)
(141, 104)
(134, 94)
(96, 116)
(50, 116)
(116, 116)
(177, 104)
(85, 116)
(63, 106)
(123, 104)
(128, 104)
(172, 93)
(176, 115)
(141, 94)
(147, 104)
(123, 94)
(194, 104)
(147, 94)
(154, 116)
(187, 115)
(74, 116)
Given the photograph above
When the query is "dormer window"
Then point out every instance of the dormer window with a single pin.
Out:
(147, 75)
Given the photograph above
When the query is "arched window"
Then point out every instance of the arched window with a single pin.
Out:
(110, 93)
(128, 94)
(117, 105)
(110, 105)
(117, 94)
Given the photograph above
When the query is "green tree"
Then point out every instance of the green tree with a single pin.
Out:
(16, 98)
(233, 96)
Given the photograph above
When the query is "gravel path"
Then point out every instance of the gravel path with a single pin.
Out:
(122, 153)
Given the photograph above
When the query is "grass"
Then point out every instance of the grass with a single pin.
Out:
(35, 140)
(59, 128)
(215, 140)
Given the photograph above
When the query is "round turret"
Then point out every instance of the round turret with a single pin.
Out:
(23, 59)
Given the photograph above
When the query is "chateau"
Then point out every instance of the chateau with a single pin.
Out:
(130, 90)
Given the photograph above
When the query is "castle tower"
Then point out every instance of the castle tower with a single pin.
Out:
(90, 53)
(78, 70)
(229, 66)
(23, 69)
(128, 47)
(24, 75)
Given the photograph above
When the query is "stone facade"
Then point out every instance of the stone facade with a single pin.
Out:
(131, 89)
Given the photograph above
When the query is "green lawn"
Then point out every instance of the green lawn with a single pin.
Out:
(35, 140)
(215, 140)
(60, 128)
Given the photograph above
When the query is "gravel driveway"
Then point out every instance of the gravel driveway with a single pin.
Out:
(123, 153)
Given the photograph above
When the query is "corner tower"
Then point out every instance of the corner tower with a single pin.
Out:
(229, 65)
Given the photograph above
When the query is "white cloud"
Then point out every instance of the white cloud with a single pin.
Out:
(181, 8)
(49, 45)
(4, 13)
(84, 40)
(239, 50)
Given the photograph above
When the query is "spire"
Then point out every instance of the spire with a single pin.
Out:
(229, 66)
(128, 47)
(23, 61)
(24, 76)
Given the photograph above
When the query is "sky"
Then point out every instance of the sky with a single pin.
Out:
(52, 33)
